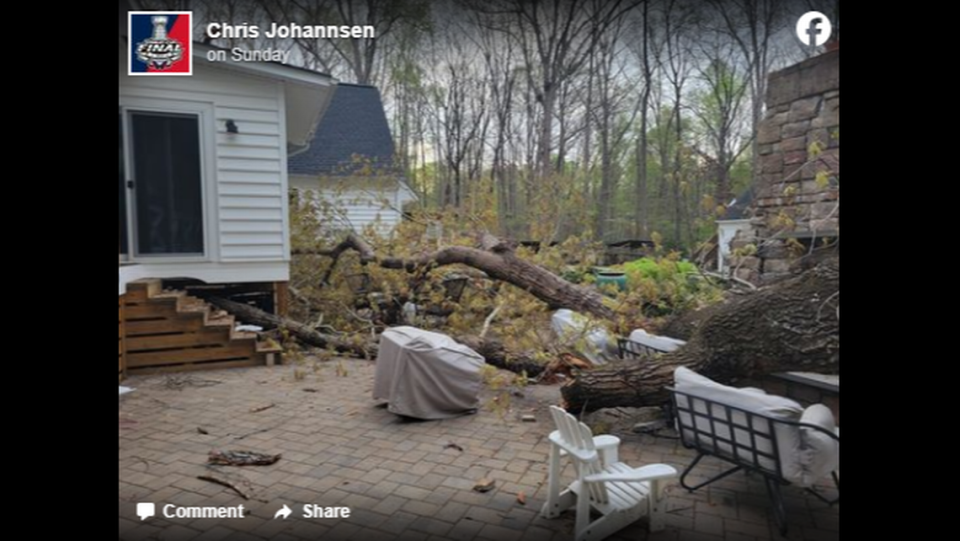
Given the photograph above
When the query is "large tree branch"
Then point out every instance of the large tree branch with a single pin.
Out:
(359, 345)
(496, 258)
(303, 333)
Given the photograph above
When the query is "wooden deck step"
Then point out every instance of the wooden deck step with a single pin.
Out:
(170, 330)
(268, 347)
(172, 295)
(221, 321)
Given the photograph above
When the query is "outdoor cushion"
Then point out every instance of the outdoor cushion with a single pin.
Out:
(660, 343)
(819, 454)
(748, 398)
(787, 437)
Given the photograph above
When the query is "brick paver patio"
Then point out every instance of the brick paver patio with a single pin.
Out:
(397, 477)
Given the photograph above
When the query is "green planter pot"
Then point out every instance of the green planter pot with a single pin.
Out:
(606, 277)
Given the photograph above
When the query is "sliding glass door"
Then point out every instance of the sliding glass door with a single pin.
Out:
(124, 239)
(164, 186)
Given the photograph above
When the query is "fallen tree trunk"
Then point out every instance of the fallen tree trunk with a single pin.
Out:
(792, 325)
(497, 259)
(492, 350)
(497, 355)
(788, 326)
(249, 314)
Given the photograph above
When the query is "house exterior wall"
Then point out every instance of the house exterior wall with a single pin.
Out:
(803, 109)
(727, 231)
(245, 179)
(358, 204)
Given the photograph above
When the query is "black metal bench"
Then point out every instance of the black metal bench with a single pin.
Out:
(635, 351)
(748, 440)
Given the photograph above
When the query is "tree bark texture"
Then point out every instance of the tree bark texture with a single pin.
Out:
(793, 325)
(497, 355)
(492, 350)
(303, 333)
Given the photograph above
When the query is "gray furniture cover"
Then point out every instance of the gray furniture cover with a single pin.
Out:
(426, 375)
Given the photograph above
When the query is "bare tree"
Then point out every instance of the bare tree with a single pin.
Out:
(720, 105)
(615, 113)
(641, 183)
(361, 57)
(752, 25)
(556, 39)
(675, 65)
(502, 74)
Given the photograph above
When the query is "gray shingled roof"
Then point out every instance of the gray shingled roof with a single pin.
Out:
(352, 134)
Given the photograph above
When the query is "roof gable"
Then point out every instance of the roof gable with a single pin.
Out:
(353, 137)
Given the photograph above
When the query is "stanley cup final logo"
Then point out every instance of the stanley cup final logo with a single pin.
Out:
(159, 51)
(160, 43)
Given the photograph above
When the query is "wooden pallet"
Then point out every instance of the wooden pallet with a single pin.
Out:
(170, 331)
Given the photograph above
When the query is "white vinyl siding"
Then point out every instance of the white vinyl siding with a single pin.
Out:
(247, 185)
(378, 206)
(359, 211)
(727, 230)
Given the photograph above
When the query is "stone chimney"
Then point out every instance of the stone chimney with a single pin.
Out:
(797, 182)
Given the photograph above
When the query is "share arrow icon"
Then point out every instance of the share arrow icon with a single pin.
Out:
(283, 513)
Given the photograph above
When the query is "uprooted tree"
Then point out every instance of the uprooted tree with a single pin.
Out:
(495, 258)
(790, 325)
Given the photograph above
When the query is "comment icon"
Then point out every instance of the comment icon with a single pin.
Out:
(146, 510)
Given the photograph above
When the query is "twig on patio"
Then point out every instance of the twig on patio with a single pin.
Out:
(180, 382)
(254, 433)
(142, 460)
(265, 407)
(225, 483)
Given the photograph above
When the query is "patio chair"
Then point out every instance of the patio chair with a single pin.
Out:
(618, 493)
(635, 351)
(755, 432)
(642, 345)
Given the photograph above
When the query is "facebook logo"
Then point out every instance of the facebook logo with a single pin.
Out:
(814, 29)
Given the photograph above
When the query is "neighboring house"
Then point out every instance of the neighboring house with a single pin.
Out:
(735, 220)
(203, 199)
(350, 164)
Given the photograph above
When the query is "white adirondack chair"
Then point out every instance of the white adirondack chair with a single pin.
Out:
(618, 493)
